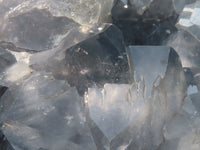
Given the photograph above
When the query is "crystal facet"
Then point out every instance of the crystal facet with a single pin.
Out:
(139, 110)
(96, 75)
(40, 109)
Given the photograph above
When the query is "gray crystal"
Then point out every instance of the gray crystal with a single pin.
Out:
(189, 19)
(36, 29)
(76, 10)
(182, 132)
(39, 109)
(149, 28)
(112, 112)
(187, 47)
(140, 5)
(187, 40)
(4, 145)
(196, 101)
(124, 112)
(96, 60)
(6, 59)
(70, 80)
(179, 5)
(143, 60)
(2, 90)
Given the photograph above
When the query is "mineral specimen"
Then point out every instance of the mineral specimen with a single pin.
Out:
(4, 144)
(123, 111)
(41, 30)
(99, 75)
(6, 59)
(95, 60)
(44, 113)
(2, 90)
(186, 41)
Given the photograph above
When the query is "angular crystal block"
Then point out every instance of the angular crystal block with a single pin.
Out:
(179, 5)
(187, 47)
(189, 19)
(96, 60)
(4, 145)
(41, 112)
(98, 10)
(36, 29)
(182, 132)
(152, 27)
(111, 108)
(196, 102)
(138, 112)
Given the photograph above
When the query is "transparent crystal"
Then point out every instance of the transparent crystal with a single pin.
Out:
(189, 19)
(45, 111)
(123, 111)
(75, 10)
(182, 132)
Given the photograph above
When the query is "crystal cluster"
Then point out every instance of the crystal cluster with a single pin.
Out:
(99, 75)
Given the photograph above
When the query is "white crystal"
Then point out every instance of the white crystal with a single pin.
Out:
(73, 9)
(114, 107)
(17, 72)
(155, 65)
(51, 108)
(189, 19)
(24, 137)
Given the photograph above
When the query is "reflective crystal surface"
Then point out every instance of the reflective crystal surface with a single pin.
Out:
(189, 20)
(143, 60)
(99, 75)
(183, 131)
(38, 110)
(186, 41)
(121, 111)
(42, 30)
(95, 60)
(76, 10)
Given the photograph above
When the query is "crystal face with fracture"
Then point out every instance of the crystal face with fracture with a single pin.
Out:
(93, 75)
(187, 40)
(40, 32)
(81, 11)
(95, 60)
(44, 113)
(138, 111)
(6, 59)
